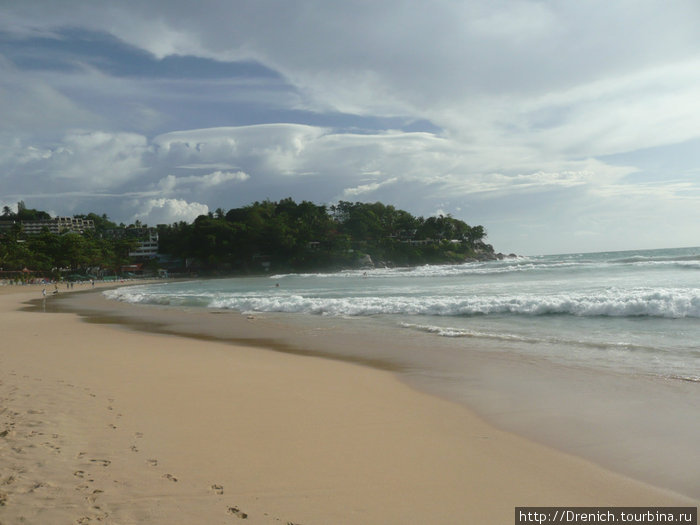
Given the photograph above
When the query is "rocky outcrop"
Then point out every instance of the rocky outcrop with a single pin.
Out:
(365, 261)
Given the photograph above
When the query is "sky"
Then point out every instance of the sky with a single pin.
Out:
(560, 126)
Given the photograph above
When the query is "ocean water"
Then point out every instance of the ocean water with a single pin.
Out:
(635, 312)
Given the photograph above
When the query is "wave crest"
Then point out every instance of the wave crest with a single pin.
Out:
(667, 303)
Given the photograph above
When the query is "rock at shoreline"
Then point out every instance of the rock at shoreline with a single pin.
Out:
(365, 262)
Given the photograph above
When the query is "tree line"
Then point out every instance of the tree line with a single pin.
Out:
(286, 235)
(281, 236)
(53, 255)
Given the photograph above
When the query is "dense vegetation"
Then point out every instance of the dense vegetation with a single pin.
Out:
(51, 255)
(281, 236)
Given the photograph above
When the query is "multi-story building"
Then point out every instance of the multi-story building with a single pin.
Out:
(148, 246)
(55, 225)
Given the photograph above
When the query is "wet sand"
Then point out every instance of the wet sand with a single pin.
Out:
(641, 426)
(104, 424)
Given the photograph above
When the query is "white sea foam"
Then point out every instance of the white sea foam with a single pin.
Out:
(518, 265)
(668, 303)
(627, 311)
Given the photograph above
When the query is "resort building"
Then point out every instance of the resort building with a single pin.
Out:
(56, 225)
(148, 246)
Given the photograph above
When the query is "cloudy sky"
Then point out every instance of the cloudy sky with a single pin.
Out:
(561, 126)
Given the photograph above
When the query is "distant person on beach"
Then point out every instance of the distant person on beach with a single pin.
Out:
(43, 292)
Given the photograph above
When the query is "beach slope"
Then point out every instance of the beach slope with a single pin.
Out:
(102, 424)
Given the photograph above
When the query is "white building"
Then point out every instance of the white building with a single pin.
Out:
(147, 248)
(58, 225)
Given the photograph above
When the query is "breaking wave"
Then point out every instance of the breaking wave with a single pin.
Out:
(665, 303)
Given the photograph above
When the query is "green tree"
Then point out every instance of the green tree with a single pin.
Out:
(102, 222)
(7, 214)
(29, 214)
(288, 235)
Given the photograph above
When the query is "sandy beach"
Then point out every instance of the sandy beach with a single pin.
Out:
(101, 424)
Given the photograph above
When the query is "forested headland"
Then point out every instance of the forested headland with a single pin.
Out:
(262, 236)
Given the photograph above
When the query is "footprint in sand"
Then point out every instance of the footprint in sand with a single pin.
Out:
(50, 445)
(134, 448)
(237, 512)
(152, 462)
(218, 489)
(170, 477)
(92, 498)
(9, 480)
(103, 462)
(36, 486)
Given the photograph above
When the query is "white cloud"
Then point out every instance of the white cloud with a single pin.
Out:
(344, 161)
(368, 188)
(619, 113)
(219, 177)
(277, 146)
(168, 211)
(542, 80)
(98, 159)
(171, 183)
(80, 163)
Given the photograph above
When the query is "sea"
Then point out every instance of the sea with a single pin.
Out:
(627, 312)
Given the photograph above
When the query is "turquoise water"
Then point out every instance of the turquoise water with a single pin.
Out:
(631, 312)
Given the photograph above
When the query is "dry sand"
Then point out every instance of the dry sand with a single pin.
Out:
(103, 425)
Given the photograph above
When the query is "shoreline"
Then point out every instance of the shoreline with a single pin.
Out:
(238, 429)
(641, 427)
